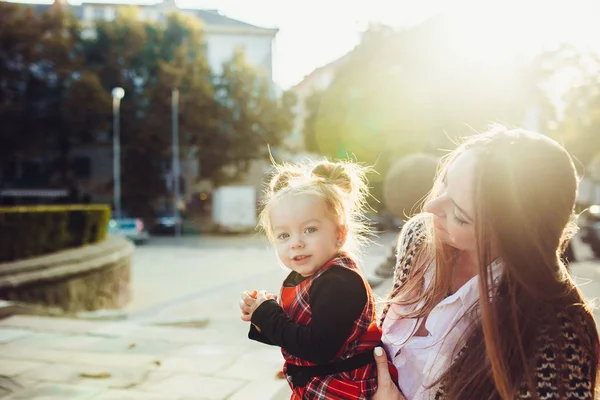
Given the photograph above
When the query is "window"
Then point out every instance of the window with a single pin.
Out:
(82, 167)
(99, 13)
(111, 13)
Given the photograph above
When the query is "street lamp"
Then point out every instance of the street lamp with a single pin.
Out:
(175, 157)
(117, 94)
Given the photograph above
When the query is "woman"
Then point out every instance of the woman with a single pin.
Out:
(483, 306)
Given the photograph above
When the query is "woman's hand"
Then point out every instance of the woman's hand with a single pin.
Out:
(386, 388)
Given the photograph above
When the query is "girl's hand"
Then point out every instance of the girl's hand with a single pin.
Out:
(386, 388)
(247, 303)
(251, 300)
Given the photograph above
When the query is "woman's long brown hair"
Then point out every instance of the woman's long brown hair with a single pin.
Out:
(525, 189)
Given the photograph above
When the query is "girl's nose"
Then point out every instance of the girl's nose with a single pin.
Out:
(297, 243)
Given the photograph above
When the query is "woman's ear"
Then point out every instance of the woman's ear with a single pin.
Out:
(342, 234)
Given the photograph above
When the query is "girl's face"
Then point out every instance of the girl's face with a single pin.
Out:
(453, 209)
(305, 234)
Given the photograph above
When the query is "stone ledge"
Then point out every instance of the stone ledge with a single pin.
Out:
(65, 257)
(83, 279)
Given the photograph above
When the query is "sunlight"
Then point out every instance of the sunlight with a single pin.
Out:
(531, 24)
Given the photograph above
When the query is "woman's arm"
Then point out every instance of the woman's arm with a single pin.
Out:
(571, 357)
(410, 242)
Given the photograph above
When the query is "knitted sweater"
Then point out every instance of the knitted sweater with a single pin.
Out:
(577, 368)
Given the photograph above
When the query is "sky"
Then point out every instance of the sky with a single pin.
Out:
(313, 33)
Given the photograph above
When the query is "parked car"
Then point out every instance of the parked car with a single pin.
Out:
(166, 222)
(589, 228)
(130, 228)
(384, 222)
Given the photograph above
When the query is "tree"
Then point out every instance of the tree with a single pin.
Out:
(251, 119)
(405, 91)
(55, 92)
(40, 63)
(577, 128)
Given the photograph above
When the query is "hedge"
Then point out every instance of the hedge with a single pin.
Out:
(29, 231)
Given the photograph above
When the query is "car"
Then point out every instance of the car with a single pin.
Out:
(589, 228)
(130, 228)
(384, 222)
(166, 222)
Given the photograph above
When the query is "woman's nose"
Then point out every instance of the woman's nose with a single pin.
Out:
(435, 206)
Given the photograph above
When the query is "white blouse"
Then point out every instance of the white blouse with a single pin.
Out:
(421, 360)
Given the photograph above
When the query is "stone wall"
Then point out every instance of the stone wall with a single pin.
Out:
(83, 279)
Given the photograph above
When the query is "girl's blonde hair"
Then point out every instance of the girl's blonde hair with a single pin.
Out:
(342, 185)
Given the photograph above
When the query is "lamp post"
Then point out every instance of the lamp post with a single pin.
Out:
(117, 95)
(175, 159)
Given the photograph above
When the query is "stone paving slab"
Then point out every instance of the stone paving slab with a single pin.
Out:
(88, 375)
(247, 366)
(45, 324)
(53, 391)
(194, 385)
(79, 358)
(10, 334)
(129, 345)
(13, 368)
(204, 365)
(261, 389)
(132, 395)
(58, 341)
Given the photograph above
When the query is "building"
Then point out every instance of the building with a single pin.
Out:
(319, 79)
(294, 149)
(223, 36)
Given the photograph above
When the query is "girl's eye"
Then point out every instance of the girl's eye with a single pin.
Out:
(283, 236)
(311, 230)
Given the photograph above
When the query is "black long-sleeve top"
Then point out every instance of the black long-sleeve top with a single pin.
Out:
(336, 298)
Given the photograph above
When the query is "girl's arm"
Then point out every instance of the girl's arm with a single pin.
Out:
(337, 299)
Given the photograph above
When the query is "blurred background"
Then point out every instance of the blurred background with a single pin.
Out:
(154, 123)
(153, 107)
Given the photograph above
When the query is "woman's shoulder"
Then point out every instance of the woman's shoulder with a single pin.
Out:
(571, 351)
(576, 331)
(411, 239)
(413, 232)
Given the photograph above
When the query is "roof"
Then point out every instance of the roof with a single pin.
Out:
(210, 18)
(307, 80)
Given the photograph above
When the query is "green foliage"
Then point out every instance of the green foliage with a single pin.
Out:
(578, 129)
(251, 119)
(406, 91)
(55, 93)
(407, 182)
(37, 230)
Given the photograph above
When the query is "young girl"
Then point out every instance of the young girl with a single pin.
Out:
(325, 319)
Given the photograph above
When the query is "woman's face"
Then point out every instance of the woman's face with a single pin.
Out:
(453, 209)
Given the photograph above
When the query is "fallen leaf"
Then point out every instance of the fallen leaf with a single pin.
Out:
(131, 346)
(99, 375)
(157, 363)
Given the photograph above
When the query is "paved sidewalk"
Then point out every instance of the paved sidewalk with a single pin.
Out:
(58, 358)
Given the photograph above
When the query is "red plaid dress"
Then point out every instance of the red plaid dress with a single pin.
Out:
(360, 383)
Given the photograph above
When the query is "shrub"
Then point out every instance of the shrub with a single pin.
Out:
(29, 231)
(407, 183)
